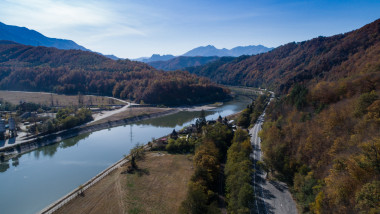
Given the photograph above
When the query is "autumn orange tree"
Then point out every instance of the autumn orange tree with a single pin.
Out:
(203, 189)
(238, 171)
(330, 155)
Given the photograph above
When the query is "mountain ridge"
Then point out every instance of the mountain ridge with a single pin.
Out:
(211, 50)
(25, 36)
(155, 57)
(294, 62)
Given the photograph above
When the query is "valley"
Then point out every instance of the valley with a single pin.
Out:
(209, 123)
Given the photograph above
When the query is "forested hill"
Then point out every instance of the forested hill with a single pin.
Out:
(182, 62)
(323, 135)
(322, 58)
(25, 67)
(26, 36)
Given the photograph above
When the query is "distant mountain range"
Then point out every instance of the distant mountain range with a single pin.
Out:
(154, 58)
(199, 56)
(26, 36)
(203, 54)
(181, 62)
(210, 50)
(237, 51)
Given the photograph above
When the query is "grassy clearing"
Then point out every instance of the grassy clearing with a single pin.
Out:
(159, 187)
(162, 185)
(49, 99)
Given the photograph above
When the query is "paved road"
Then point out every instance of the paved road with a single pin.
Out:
(105, 114)
(270, 196)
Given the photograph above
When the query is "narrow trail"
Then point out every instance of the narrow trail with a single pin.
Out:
(270, 196)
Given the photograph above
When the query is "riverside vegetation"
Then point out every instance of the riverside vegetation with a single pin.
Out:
(222, 166)
(66, 118)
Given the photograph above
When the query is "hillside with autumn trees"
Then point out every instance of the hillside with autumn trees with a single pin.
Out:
(71, 71)
(322, 58)
(322, 132)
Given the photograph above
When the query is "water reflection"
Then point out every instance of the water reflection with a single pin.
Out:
(5, 163)
(50, 150)
(4, 166)
(171, 121)
(72, 141)
(15, 161)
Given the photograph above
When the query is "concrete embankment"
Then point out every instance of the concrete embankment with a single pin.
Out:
(38, 142)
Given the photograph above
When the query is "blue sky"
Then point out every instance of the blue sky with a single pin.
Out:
(136, 28)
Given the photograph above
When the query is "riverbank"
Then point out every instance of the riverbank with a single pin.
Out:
(153, 189)
(29, 145)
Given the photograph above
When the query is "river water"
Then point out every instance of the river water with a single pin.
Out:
(35, 179)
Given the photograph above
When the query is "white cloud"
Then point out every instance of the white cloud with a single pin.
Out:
(57, 18)
(50, 13)
(114, 31)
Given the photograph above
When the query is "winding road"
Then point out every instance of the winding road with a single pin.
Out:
(270, 196)
(110, 113)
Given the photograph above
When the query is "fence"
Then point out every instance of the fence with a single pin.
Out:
(76, 192)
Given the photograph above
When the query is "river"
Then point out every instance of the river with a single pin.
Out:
(32, 181)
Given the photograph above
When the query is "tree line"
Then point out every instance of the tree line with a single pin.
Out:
(71, 71)
(253, 111)
(66, 118)
(238, 172)
(210, 154)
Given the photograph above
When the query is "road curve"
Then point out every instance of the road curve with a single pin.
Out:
(270, 196)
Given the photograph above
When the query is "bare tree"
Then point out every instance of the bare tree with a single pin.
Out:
(137, 153)
(51, 100)
(80, 99)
